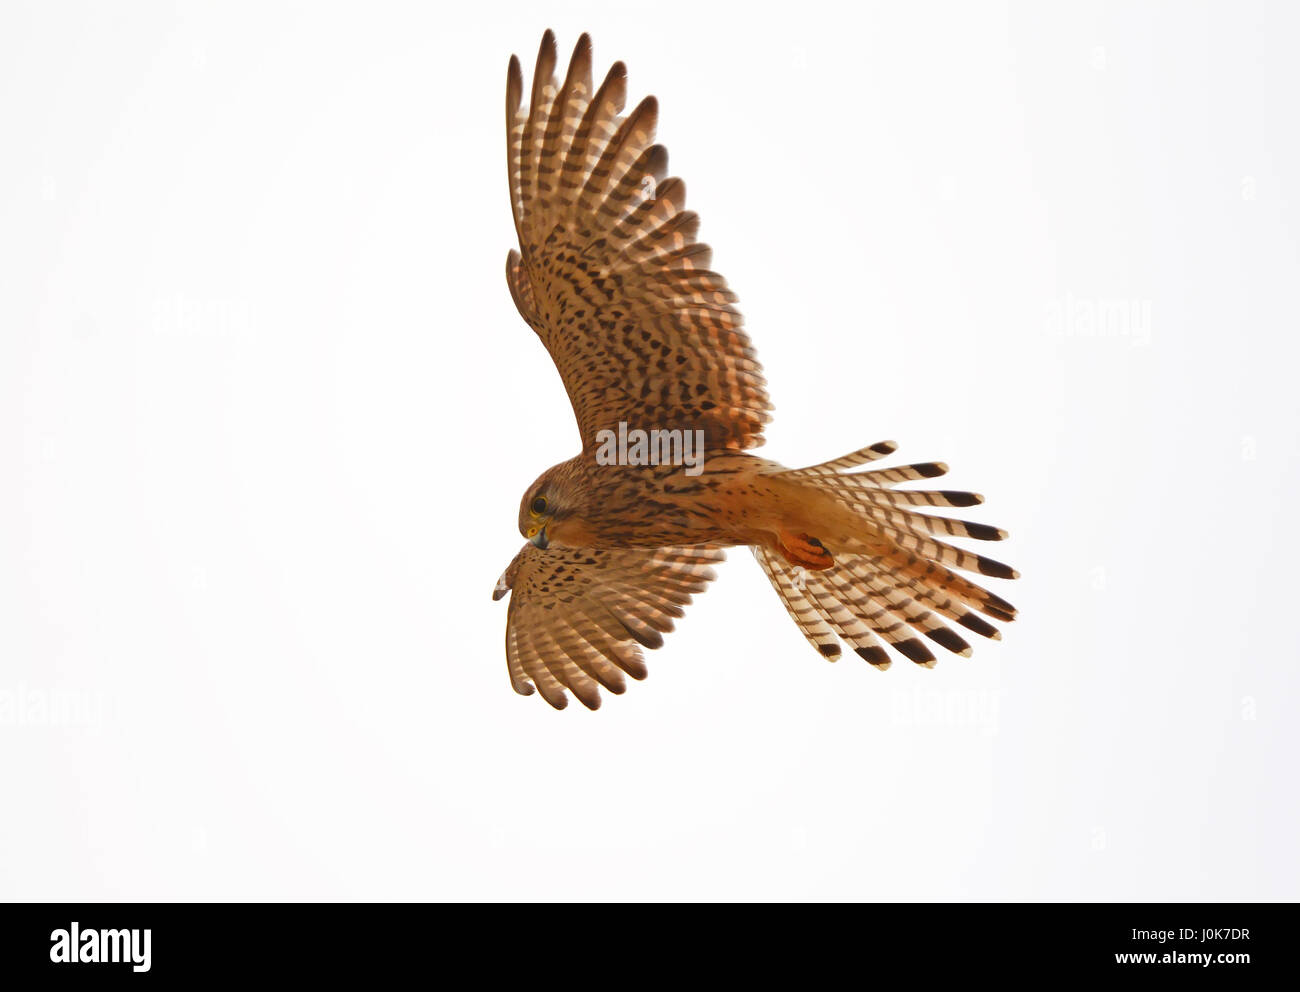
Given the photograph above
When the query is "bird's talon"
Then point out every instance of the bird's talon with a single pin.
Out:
(806, 551)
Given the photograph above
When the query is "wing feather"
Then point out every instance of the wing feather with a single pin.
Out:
(579, 617)
(609, 273)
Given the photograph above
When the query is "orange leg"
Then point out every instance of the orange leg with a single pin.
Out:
(801, 549)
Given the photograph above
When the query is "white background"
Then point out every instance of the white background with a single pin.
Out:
(267, 411)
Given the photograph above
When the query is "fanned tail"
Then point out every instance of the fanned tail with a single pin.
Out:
(892, 581)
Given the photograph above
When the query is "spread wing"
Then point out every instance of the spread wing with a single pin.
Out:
(610, 276)
(579, 617)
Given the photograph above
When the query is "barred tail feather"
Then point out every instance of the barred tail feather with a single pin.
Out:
(892, 582)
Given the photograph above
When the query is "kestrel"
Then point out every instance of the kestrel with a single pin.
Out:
(648, 342)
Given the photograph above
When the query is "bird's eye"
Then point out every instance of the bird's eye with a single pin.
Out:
(539, 505)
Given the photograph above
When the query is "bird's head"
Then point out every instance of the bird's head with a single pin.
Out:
(551, 510)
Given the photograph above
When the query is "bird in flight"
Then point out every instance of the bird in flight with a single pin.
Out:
(670, 399)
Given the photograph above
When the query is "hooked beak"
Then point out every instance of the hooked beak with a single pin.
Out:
(539, 539)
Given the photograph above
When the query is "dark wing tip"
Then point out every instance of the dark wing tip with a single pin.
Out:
(544, 68)
(651, 639)
(514, 88)
(949, 639)
(911, 647)
(987, 566)
(998, 608)
(873, 655)
(980, 626)
(503, 586)
(983, 532)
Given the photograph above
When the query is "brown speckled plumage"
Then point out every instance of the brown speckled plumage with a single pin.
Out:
(610, 277)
